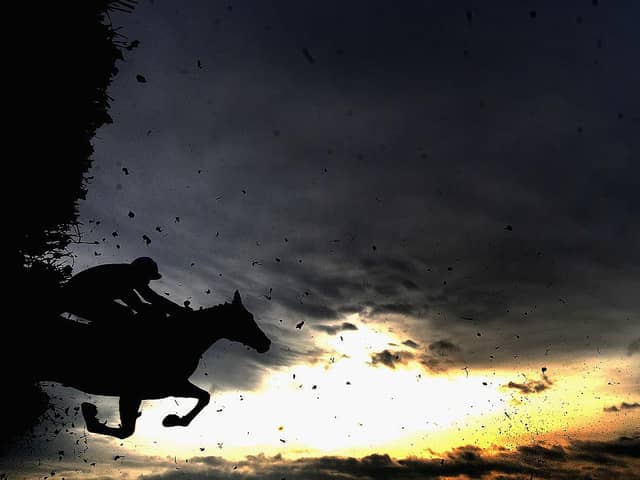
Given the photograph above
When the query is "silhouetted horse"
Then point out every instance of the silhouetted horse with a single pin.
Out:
(148, 361)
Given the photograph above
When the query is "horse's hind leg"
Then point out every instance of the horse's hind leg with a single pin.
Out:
(187, 390)
(128, 416)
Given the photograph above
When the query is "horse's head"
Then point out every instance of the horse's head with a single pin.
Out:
(241, 327)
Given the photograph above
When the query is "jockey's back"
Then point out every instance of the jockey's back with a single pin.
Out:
(110, 280)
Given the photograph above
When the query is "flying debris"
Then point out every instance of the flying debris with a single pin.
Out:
(469, 16)
(299, 325)
(132, 45)
(141, 79)
(307, 55)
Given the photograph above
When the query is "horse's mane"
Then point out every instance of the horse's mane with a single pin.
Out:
(221, 307)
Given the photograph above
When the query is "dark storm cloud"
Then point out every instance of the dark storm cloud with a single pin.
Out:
(436, 363)
(410, 285)
(440, 361)
(439, 356)
(335, 329)
(397, 308)
(413, 132)
(391, 359)
(531, 386)
(623, 406)
(444, 348)
(622, 447)
(540, 452)
(410, 343)
(615, 459)
(311, 310)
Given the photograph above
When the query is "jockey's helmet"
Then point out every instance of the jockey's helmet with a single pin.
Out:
(147, 267)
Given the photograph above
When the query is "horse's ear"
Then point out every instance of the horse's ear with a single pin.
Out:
(236, 298)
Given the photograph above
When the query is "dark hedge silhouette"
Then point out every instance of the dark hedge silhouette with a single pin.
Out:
(62, 59)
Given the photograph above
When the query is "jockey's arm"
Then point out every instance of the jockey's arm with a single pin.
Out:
(132, 300)
(159, 301)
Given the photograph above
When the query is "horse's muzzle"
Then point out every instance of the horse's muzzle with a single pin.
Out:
(264, 347)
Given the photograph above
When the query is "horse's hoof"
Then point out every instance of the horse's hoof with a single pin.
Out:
(89, 410)
(172, 421)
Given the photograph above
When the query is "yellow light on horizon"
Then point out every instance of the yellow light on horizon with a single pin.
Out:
(349, 407)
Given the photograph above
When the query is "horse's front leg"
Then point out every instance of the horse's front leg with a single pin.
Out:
(128, 416)
(187, 390)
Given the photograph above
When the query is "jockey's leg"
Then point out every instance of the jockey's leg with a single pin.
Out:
(101, 312)
(111, 312)
(128, 415)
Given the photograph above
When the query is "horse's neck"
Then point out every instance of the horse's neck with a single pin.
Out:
(202, 332)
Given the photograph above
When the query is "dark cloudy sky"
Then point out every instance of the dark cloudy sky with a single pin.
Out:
(385, 174)
(462, 176)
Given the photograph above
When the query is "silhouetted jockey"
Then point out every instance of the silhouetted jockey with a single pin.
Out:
(93, 293)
